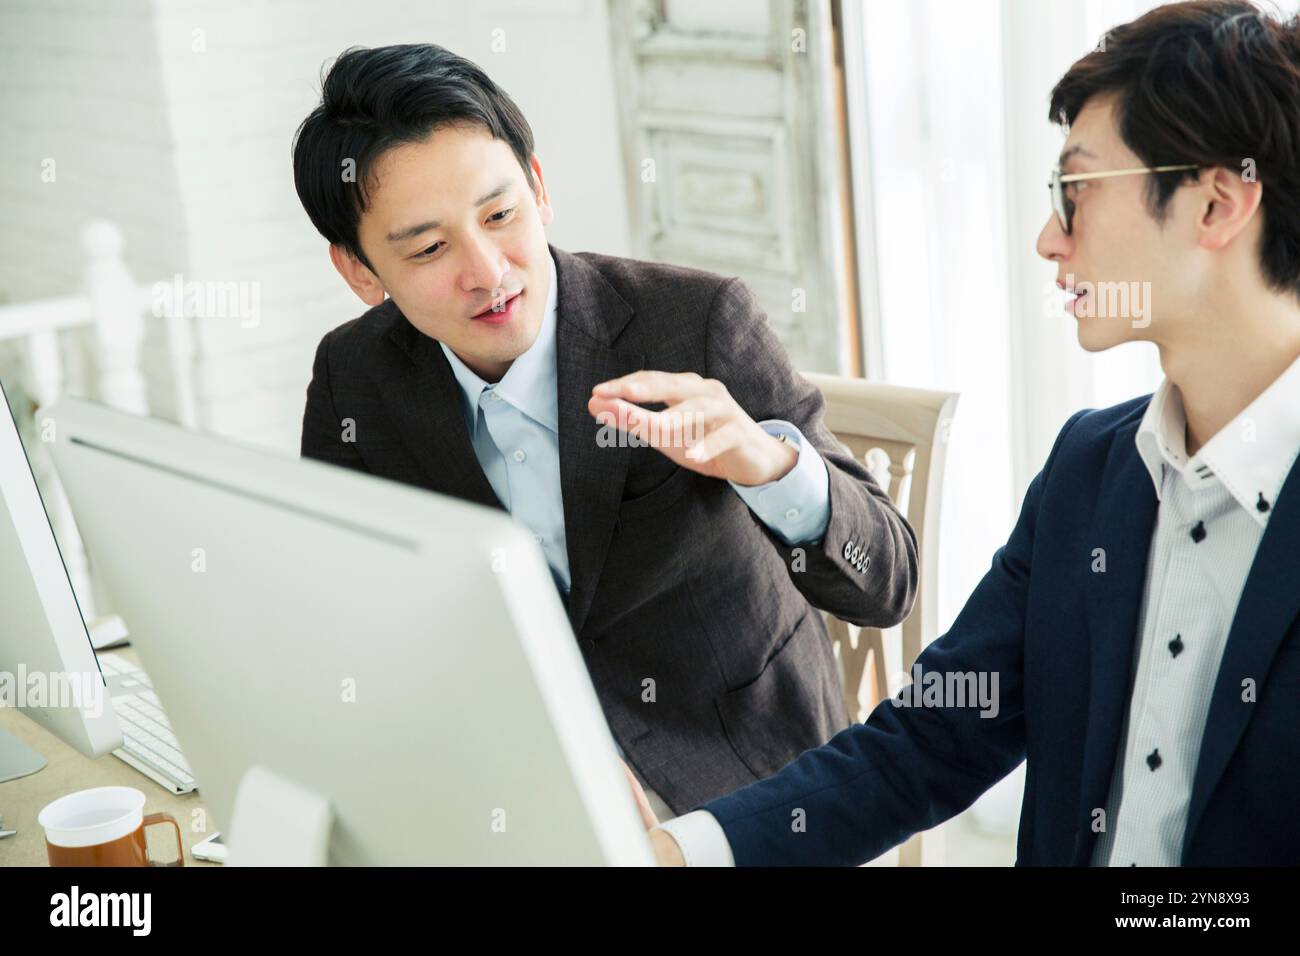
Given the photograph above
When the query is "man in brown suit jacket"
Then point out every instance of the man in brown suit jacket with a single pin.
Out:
(642, 419)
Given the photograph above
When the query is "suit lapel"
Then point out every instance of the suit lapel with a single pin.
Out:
(1122, 526)
(590, 315)
(424, 401)
(1270, 602)
(425, 404)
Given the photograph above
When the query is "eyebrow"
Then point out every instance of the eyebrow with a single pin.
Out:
(410, 232)
(1075, 150)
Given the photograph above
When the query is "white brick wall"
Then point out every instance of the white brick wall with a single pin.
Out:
(189, 151)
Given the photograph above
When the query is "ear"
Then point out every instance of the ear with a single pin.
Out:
(1227, 207)
(357, 275)
(544, 210)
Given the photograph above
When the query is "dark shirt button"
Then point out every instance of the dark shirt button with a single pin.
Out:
(1176, 645)
(1198, 533)
(1261, 505)
(587, 644)
(1153, 759)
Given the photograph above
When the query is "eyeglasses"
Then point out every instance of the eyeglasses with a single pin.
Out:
(1063, 205)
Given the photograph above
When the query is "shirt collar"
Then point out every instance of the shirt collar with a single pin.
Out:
(1252, 455)
(530, 383)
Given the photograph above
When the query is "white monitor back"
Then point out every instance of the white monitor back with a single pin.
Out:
(403, 654)
(47, 664)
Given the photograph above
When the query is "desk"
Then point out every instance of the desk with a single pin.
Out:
(67, 770)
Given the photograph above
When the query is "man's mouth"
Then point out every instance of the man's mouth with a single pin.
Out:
(1074, 290)
(500, 310)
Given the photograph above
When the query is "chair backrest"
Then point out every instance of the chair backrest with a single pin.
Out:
(902, 435)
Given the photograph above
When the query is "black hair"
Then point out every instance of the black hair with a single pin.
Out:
(1214, 83)
(373, 100)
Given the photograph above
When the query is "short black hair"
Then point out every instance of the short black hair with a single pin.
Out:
(374, 99)
(1214, 83)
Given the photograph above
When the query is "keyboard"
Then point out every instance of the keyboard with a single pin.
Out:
(148, 742)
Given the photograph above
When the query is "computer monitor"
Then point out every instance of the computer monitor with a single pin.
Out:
(402, 654)
(48, 668)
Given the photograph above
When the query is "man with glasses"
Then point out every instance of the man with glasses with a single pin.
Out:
(1143, 618)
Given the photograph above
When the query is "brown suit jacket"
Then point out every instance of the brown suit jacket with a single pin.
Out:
(673, 577)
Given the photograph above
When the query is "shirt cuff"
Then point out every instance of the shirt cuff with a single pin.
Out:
(701, 839)
(796, 507)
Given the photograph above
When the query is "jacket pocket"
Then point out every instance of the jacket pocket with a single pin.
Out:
(659, 498)
(787, 708)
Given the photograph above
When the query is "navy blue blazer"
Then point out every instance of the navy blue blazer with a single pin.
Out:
(1061, 638)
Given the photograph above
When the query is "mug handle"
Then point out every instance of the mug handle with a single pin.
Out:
(153, 818)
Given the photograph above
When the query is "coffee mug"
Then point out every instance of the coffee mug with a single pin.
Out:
(103, 827)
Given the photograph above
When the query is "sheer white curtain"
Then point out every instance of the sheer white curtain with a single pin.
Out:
(937, 179)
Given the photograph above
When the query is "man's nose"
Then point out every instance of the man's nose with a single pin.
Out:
(1053, 244)
(484, 267)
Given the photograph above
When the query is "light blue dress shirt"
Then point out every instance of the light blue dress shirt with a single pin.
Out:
(514, 428)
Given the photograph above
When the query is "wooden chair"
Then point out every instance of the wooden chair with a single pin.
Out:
(901, 435)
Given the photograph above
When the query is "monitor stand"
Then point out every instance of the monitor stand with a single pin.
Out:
(17, 759)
